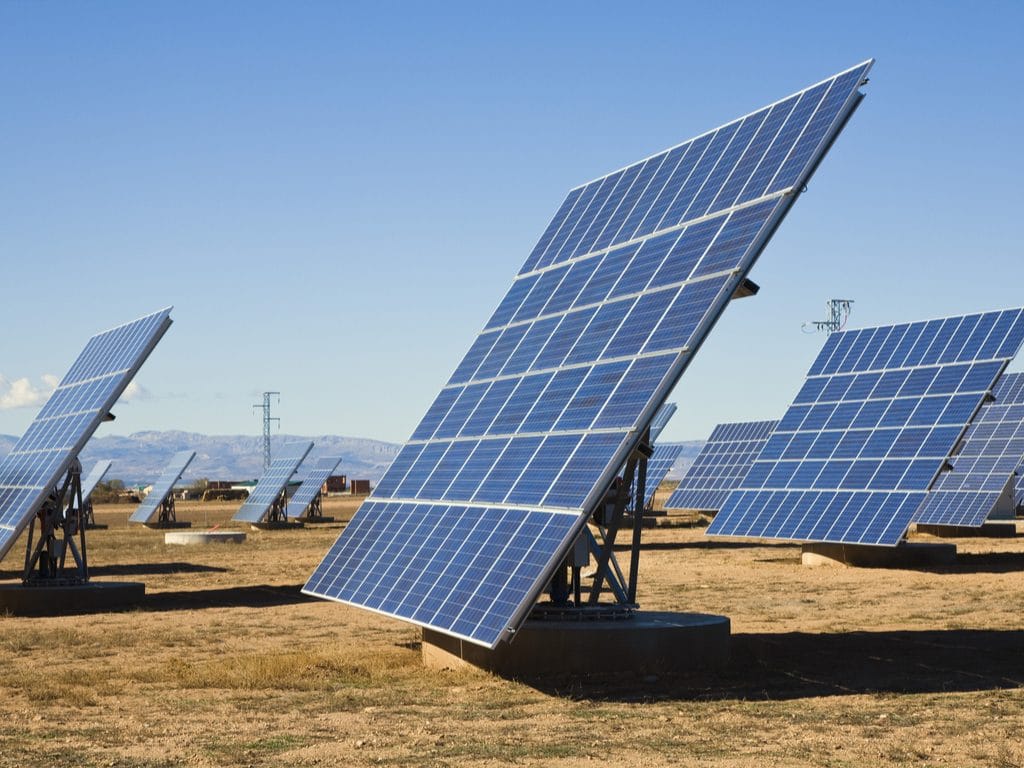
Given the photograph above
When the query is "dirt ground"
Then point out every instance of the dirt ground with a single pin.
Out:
(227, 664)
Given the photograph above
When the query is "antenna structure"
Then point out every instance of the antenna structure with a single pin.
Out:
(267, 419)
(838, 314)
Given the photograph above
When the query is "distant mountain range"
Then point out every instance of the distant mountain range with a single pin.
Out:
(139, 458)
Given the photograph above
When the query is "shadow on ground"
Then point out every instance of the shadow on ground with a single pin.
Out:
(799, 665)
(153, 569)
(710, 544)
(259, 596)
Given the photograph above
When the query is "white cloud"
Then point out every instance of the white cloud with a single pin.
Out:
(22, 393)
(135, 391)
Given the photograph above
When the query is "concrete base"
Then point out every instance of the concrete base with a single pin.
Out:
(280, 525)
(317, 519)
(992, 530)
(906, 555)
(163, 526)
(94, 597)
(97, 527)
(648, 644)
(204, 537)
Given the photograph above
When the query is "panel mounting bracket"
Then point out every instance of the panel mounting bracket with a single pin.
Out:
(60, 523)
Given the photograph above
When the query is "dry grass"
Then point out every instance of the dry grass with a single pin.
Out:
(226, 664)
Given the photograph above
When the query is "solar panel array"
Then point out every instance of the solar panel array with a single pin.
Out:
(721, 465)
(478, 508)
(665, 457)
(94, 478)
(269, 486)
(73, 412)
(992, 451)
(880, 412)
(149, 509)
(311, 485)
(661, 420)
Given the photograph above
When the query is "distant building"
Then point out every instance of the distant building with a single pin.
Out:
(335, 484)
(360, 487)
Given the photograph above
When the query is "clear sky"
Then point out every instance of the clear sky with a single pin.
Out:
(335, 196)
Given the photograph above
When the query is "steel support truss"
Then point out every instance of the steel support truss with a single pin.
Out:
(167, 515)
(570, 599)
(60, 521)
(279, 509)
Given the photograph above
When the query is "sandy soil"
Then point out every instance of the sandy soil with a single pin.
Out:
(227, 664)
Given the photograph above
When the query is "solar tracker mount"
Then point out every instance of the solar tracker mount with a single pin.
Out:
(490, 503)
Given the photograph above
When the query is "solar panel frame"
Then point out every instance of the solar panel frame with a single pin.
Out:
(149, 508)
(720, 466)
(750, 226)
(868, 433)
(95, 477)
(87, 382)
(991, 452)
(311, 485)
(661, 420)
(274, 480)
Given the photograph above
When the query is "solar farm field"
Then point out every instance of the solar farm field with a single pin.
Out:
(227, 664)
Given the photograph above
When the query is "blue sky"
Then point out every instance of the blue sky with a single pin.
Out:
(335, 196)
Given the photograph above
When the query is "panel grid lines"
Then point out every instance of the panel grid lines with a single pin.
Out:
(312, 484)
(272, 482)
(164, 486)
(870, 430)
(567, 374)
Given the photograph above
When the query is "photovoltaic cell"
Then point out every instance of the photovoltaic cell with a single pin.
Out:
(659, 465)
(94, 478)
(477, 509)
(880, 412)
(148, 510)
(721, 465)
(991, 454)
(311, 485)
(73, 412)
(269, 486)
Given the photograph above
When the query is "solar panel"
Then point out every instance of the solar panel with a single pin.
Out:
(311, 485)
(665, 457)
(148, 510)
(269, 486)
(94, 478)
(991, 453)
(660, 421)
(721, 465)
(73, 412)
(479, 507)
(880, 412)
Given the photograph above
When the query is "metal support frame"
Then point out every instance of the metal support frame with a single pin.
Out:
(167, 513)
(569, 599)
(59, 524)
(316, 506)
(279, 509)
(267, 420)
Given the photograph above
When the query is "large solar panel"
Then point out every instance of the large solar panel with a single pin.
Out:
(94, 478)
(479, 507)
(311, 485)
(81, 401)
(269, 486)
(721, 465)
(149, 509)
(991, 453)
(665, 457)
(880, 412)
(661, 420)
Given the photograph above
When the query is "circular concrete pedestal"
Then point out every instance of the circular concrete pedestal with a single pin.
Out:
(650, 643)
(906, 555)
(204, 537)
(94, 597)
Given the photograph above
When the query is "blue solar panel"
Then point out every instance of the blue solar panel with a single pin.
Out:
(150, 506)
(311, 485)
(880, 412)
(991, 453)
(600, 323)
(661, 420)
(95, 477)
(81, 401)
(665, 457)
(269, 486)
(721, 465)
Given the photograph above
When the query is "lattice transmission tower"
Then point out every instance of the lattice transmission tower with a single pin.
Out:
(267, 419)
(838, 315)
